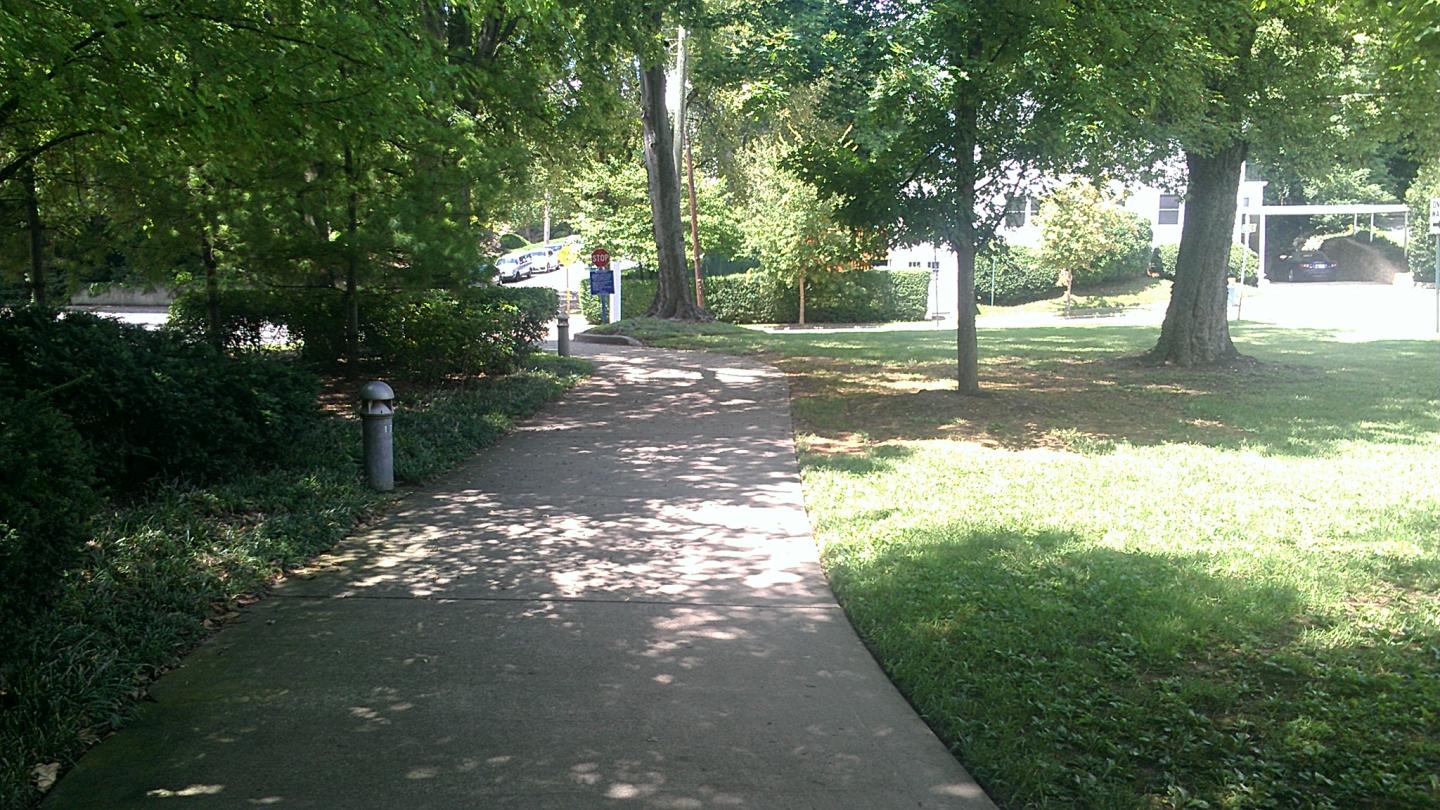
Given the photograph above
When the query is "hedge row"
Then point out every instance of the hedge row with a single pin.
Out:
(94, 406)
(422, 334)
(858, 296)
(1007, 275)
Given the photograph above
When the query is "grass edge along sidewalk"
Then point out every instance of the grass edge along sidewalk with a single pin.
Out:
(1111, 585)
(164, 573)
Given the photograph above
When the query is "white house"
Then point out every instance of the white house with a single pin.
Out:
(1164, 209)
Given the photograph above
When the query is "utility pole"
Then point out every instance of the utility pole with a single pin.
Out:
(695, 229)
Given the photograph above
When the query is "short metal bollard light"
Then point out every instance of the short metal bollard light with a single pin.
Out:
(562, 331)
(377, 412)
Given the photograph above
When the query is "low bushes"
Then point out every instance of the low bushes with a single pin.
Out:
(1017, 275)
(1365, 257)
(424, 334)
(755, 296)
(95, 407)
(152, 405)
(156, 573)
(636, 295)
(47, 498)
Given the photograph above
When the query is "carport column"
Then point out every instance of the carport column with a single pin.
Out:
(1261, 279)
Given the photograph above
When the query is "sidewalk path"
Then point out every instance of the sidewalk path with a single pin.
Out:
(618, 606)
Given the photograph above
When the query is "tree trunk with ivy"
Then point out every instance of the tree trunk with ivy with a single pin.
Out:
(1196, 331)
(673, 296)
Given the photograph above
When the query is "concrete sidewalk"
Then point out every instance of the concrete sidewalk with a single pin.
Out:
(619, 605)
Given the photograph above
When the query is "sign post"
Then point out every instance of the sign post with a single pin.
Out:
(601, 258)
(602, 282)
(1435, 231)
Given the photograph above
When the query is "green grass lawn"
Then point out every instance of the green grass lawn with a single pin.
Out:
(1108, 585)
(1105, 299)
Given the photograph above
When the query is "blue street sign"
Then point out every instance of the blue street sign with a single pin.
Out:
(602, 282)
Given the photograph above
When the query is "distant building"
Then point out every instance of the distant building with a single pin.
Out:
(1164, 209)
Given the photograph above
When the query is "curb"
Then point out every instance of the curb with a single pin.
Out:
(608, 340)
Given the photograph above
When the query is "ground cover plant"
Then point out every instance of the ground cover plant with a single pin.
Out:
(1112, 585)
(159, 572)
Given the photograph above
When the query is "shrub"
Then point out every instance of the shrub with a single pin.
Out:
(756, 296)
(637, 293)
(867, 296)
(513, 241)
(436, 334)
(1238, 254)
(1013, 275)
(426, 334)
(150, 404)
(46, 502)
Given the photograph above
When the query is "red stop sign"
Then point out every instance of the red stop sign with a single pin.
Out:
(600, 257)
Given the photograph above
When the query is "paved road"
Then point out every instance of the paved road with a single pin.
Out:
(619, 605)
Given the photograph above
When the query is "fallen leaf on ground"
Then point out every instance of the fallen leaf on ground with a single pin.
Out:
(45, 775)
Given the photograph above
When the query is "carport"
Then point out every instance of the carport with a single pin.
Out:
(1355, 210)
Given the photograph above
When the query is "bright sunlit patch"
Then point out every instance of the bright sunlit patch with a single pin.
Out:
(193, 790)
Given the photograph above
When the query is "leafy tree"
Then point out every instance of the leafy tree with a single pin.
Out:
(673, 296)
(959, 106)
(612, 210)
(789, 227)
(1272, 76)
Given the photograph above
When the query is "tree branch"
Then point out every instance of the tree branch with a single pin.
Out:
(24, 158)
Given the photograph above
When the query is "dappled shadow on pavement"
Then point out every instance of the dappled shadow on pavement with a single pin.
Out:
(619, 605)
(644, 484)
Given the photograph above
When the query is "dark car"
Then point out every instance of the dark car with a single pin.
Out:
(1306, 265)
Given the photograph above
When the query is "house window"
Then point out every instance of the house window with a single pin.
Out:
(933, 265)
(913, 264)
(1017, 212)
(1169, 210)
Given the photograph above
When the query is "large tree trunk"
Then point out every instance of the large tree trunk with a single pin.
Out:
(33, 224)
(1197, 327)
(672, 297)
(962, 241)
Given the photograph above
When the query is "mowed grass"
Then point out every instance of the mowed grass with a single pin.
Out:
(1108, 585)
(1108, 298)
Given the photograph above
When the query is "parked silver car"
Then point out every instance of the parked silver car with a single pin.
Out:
(514, 267)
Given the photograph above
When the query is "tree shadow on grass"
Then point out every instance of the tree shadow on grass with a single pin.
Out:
(1073, 389)
(1066, 673)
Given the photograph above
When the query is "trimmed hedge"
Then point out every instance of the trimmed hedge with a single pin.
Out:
(857, 296)
(1168, 254)
(425, 334)
(151, 404)
(636, 296)
(1015, 275)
